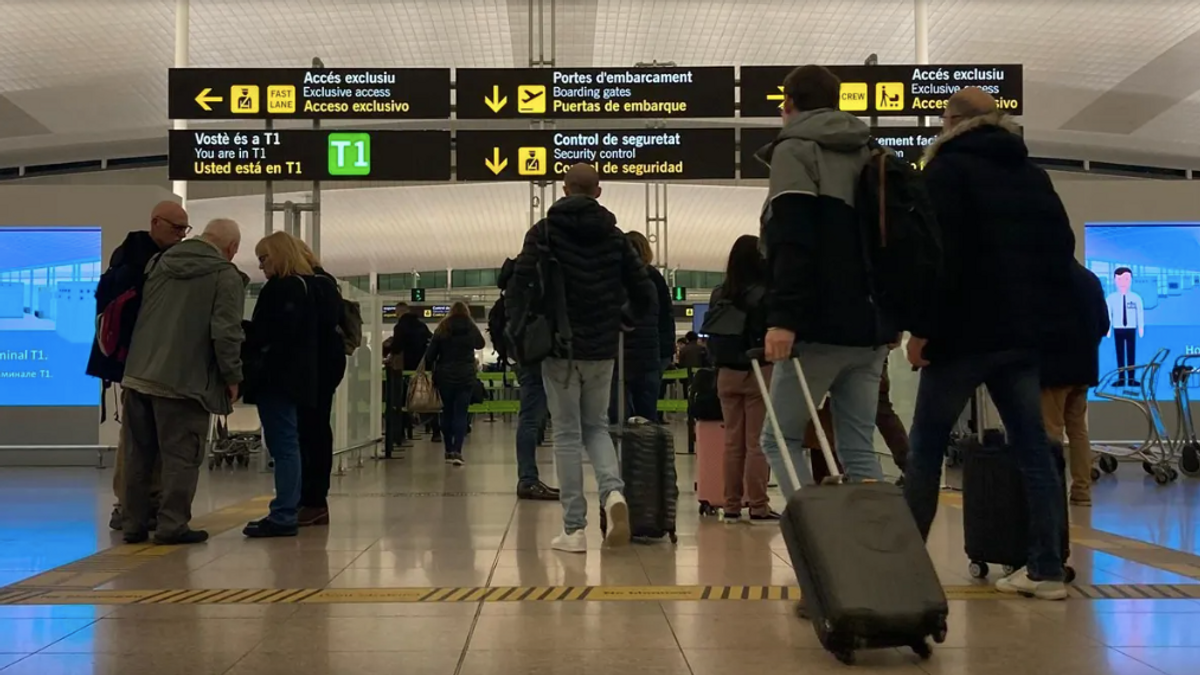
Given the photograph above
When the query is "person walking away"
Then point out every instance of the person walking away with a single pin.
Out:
(1070, 367)
(315, 424)
(184, 365)
(597, 271)
(819, 302)
(451, 358)
(532, 415)
(283, 355)
(410, 339)
(1008, 250)
(742, 406)
(127, 270)
(643, 347)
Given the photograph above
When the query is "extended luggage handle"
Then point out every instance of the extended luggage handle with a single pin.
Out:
(835, 475)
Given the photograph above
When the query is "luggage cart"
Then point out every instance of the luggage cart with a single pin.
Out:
(1156, 453)
(230, 445)
(1184, 376)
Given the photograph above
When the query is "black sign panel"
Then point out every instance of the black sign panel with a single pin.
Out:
(908, 143)
(578, 93)
(310, 154)
(618, 154)
(889, 91)
(309, 93)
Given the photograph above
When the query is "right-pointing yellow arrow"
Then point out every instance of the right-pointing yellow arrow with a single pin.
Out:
(495, 102)
(495, 162)
(204, 99)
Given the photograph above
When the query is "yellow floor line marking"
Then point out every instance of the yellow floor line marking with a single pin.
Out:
(464, 594)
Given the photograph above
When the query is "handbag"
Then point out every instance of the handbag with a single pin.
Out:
(423, 397)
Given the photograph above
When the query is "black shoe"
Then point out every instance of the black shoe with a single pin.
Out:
(267, 528)
(117, 520)
(136, 537)
(763, 518)
(437, 438)
(537, 492)
(188, 537)
(1133, 384)
(900, 481)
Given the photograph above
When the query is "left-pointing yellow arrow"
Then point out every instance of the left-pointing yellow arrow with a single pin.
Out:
(204, 99)
(495, 162)
(777, 97)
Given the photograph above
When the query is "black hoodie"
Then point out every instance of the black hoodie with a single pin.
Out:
(1007, 242)
(451, 353)
(602, 272)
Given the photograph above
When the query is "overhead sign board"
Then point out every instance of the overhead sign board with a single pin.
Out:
(618, 154)
(591, 93)
(889, 90)
(309, 154)
(909, 143)
(308, 93)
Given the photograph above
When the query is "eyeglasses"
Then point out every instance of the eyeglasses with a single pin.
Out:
(181, 228)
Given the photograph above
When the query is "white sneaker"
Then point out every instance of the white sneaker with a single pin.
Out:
(1019, 583)
(574, 542)
(618, 520)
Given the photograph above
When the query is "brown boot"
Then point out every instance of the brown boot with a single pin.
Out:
(310, 516)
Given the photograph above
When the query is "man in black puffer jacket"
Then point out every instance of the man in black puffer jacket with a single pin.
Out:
(600, 273)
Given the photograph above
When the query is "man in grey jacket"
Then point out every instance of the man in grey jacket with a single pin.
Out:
(184, 365)
(819, 294)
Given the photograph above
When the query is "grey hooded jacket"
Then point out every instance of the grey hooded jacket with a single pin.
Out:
(188, 337)
(811, 234)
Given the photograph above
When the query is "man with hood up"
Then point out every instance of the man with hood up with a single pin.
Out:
(601, 272)
(819, 303)
(1009, 252)
(184, 365)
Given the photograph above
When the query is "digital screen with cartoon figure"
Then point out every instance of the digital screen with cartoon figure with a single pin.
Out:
(48, 279)
(1151, 278)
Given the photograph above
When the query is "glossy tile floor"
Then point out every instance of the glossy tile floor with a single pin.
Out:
(415, 522)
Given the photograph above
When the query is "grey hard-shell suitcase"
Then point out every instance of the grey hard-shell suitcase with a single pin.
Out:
(865, 576)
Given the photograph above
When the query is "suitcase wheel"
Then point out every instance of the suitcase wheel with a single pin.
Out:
(978, 570)
(707, 509)
(846, 656)
(1095, 474)
(1108, 463)
(1008, 569)
(673, 537)
(943, 629)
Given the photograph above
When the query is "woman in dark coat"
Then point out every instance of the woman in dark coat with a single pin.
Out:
(451, 357)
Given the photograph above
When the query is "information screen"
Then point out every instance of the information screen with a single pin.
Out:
(889, 91)
(1151, 278)
(909, 143)
(310, 154)
(618, 154)
(48, 281)
(574, 93)
(308, 93)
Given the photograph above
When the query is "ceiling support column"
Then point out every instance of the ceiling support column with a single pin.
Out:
(183, 18)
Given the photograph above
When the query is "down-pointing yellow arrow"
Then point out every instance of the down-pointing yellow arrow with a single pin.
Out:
(204, 99)
(495, 162)
(777, 97)
(496, 103)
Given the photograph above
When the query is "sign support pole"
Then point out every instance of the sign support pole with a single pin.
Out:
(656, 192)
(183, 17)
(921, 39)
(538, 199)
(292, 210)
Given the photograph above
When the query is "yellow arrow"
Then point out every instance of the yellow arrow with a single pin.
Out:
(495, 102)
(777, 97)
(204, 99)
(495, 163)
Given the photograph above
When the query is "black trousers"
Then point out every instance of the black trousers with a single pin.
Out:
(316, 451)
(1126, 342)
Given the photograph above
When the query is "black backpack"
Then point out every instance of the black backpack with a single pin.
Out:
(497, 323)
(543, 329)
(902, 239)
(727, 325)
(703, 402)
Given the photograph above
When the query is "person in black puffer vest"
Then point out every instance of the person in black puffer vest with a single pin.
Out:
(643, 346)
(600, 273)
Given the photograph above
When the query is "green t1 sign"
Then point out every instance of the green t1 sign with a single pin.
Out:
(349, 154)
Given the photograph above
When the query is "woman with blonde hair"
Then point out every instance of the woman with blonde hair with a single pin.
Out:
(281, 366)
(451, 357)
(316, 431)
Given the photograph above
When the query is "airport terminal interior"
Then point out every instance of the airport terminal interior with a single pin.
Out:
(411, 144)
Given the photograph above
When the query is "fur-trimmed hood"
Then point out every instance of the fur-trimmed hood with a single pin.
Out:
(996, 119)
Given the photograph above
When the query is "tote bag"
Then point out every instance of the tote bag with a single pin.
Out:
(423, 397)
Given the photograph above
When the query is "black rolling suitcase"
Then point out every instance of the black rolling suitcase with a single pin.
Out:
(865, 576)
(646, 451)
(995, 509)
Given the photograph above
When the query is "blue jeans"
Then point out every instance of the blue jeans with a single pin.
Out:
(1012, 379)
(577, 395)
(641, 395)
(281, 433)
(529, 423)
(850, 375)
(456, 400)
